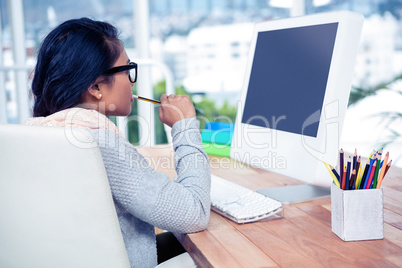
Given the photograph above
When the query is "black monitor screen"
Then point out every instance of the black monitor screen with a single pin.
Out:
(288, 78)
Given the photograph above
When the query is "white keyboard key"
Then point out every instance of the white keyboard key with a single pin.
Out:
(240, 204)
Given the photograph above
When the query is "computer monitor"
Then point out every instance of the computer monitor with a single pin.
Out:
(295, 94)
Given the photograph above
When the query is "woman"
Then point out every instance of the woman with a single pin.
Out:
(82, 75)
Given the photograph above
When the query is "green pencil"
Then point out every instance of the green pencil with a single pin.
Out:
(376, 172)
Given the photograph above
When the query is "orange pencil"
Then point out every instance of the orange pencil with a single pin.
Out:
(386, 170)
(382, 173)
(344, 178)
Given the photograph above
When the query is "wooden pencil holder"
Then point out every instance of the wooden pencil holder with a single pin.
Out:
(357, 214)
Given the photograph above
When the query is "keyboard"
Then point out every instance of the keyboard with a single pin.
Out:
(240, 204)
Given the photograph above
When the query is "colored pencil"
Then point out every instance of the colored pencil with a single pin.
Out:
(334, 171)
(348, 173)
(374, 183)
(357, 171)
(341, 166)
(334, 174)
(359, 175)
(386, 170)
(145, 99)
(352, 180)
(370, 178)
(382, 173)
(369, 171)
(344, 178)
(364, 175)
(363, 172)
(388, 166)
(199, 111)
(380, 152)
(353, 167)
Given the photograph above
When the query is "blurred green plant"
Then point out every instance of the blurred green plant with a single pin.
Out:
(357, 94)
(211, 113)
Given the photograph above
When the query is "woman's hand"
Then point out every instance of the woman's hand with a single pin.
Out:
(174, 108)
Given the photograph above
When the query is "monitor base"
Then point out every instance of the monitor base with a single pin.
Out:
(296, 193)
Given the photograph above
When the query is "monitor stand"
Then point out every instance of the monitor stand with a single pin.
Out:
(296, 193)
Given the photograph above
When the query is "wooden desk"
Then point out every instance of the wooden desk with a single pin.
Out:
(303, 238)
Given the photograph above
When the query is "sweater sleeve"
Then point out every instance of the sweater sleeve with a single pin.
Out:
(181, 206)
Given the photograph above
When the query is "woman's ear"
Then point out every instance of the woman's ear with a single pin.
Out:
(94, 91)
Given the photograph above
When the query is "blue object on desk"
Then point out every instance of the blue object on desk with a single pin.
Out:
(219, 126)
(218, 137)
(218, 133)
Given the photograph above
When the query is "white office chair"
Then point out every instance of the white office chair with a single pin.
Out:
(56, 207)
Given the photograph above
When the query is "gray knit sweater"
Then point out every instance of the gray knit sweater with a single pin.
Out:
(145, 198)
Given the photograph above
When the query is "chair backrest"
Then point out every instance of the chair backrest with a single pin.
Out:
(56, 207)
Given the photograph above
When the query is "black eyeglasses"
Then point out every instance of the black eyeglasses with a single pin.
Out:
(131, 67)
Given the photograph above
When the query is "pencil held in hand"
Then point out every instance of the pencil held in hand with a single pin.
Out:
(198, 110)
(145, 99)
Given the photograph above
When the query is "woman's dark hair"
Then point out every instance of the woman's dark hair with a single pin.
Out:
(71, 58)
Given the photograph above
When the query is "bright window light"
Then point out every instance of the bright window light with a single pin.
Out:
(281, 3)
(318, 3)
